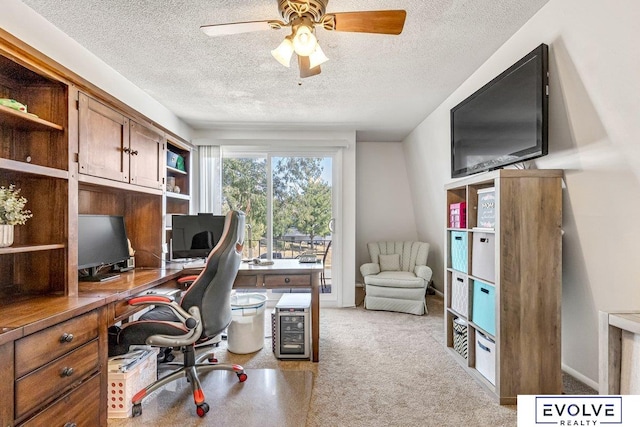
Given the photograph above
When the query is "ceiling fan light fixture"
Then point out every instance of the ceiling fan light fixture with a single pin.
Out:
(317, 57)
(304, 42)
(283, 52)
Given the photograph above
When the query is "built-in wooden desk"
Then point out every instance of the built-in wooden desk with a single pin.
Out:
(285, 274)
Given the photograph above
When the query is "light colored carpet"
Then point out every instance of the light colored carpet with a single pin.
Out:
(379, 369)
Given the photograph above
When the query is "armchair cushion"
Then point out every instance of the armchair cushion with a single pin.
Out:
(390, 262)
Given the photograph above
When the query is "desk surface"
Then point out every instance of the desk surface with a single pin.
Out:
(30, 314)
(279, 266)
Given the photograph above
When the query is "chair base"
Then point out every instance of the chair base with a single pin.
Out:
(417, 307)
(189, 369)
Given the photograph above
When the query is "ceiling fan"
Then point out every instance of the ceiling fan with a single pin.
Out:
(303, 16)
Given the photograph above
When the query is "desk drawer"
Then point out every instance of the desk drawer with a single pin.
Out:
(81, 407)
(287, 280)
(245, 281)
(48, 382)
(122, 310)
(38, 349)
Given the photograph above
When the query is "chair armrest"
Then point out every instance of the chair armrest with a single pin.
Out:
(424, 272)
(186, 318)
(369, 269)
(190, 321)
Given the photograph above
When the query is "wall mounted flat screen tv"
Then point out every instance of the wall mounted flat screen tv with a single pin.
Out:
(193, 236)
(505, 121)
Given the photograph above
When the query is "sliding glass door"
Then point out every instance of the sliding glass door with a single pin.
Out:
(289, 203)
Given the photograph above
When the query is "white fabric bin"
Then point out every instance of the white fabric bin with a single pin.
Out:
(460, 293)
(483, 258)
(486, 357)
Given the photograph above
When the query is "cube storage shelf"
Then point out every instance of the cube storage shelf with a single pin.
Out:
(505, 281)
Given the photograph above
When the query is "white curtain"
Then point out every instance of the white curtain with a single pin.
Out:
(210, 179)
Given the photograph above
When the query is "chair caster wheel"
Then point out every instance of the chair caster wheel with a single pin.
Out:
(136, 410)
(202, 409)
(242, 377)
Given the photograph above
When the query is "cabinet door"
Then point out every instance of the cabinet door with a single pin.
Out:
(103, 140)
(146, 154)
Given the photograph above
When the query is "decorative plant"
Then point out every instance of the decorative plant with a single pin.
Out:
(12, 204)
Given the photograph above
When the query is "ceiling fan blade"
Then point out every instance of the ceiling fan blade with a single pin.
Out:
(240, 27)
(376, 21)
(305, 70)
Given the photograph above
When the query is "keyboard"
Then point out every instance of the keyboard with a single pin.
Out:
(194, 264)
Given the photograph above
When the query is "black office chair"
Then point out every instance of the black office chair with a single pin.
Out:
(323, 277)
(203, 312)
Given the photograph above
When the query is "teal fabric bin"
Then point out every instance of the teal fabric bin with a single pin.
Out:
(484, 306)
(459, 258)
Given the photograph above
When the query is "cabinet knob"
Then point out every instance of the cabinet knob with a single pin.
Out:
(287, 280)
(66, 372)
(66, 337)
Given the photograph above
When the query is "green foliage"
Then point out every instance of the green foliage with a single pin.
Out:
(301, 199)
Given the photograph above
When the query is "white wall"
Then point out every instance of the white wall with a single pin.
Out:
(594, 135)
(384, 208)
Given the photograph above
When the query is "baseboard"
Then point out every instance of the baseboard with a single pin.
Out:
(580, 377)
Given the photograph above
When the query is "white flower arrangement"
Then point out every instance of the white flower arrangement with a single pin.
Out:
(12, 204)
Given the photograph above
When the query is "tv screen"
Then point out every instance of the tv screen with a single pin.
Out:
(505, 121)
(102, 241)
(193, 236)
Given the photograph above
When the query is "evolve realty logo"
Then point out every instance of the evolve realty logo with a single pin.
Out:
(578, 410)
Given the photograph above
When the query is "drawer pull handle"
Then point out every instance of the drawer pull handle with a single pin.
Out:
(457, 238)
(66, 372)
(484, 240)
(134, 152)
(485, 290)
(70, 424)
(287, 280)
(66, 337)
(460, 279)
(126, 150)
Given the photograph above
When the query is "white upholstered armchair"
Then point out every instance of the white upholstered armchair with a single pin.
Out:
(397, 277)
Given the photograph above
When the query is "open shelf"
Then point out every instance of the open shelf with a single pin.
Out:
(25, 121)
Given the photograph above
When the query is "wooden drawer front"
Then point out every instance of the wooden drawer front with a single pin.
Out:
(122, 310)
(287, 280)
(38, 349)
(81, 407)
(48, 382)
(245, 281)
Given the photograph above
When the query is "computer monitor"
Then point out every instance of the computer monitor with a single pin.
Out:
(193, 236)
(102, 241)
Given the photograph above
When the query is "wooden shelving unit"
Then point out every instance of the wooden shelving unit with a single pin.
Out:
(527, 264)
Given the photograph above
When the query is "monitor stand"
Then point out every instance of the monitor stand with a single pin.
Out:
(94, 276)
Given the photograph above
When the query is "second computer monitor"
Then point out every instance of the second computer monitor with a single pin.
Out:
(193, 236)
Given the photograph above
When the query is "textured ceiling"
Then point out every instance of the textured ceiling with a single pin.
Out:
(382, 86)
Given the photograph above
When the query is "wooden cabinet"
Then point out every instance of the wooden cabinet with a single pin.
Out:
(34, 156)
(512, 309)
(114, 147)
(146, 152)
(177, 199)
(178, 181)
